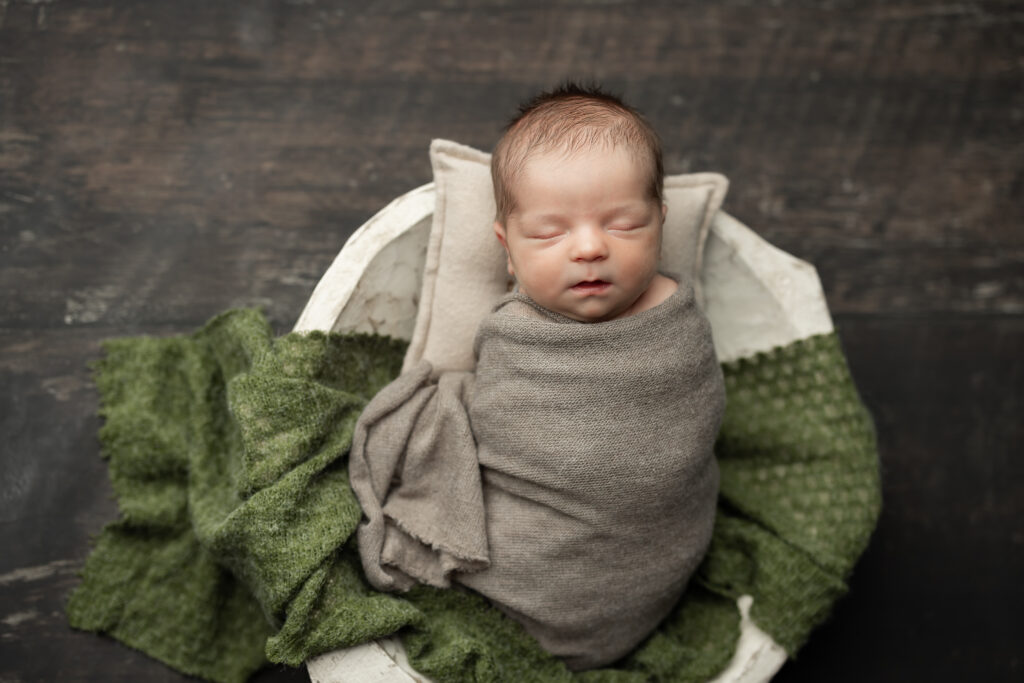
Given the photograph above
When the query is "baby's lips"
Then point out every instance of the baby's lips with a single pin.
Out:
(591, 285)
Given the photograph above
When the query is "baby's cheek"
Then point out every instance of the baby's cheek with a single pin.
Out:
(644, 259)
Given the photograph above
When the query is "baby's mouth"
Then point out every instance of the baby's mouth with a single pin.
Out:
(591, 286)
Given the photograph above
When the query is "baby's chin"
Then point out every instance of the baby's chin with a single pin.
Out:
(593, 313)
(595, 310)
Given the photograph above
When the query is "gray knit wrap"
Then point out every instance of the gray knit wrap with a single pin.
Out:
(570, 479)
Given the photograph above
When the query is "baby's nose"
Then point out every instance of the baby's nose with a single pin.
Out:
(589, 245)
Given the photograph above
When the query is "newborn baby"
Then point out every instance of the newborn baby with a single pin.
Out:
(570, 478)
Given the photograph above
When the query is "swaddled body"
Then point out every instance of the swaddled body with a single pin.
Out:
(570, 479)
(595, 447)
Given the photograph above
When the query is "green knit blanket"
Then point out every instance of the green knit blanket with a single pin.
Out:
(235, 546)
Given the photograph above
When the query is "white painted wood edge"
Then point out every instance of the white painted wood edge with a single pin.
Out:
(333, 290)
(376, 662)
(798, 308)
(757, 658)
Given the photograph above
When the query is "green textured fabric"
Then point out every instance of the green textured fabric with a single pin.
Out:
(235, 544)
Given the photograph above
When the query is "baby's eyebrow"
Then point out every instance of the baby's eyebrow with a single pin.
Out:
(546, 218)
(632, 209)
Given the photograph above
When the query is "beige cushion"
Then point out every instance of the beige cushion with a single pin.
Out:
(464, 273)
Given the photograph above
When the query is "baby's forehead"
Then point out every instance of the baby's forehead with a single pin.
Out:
(579, 146)
(538, 160)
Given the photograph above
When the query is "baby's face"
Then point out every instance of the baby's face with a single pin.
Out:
(585, 236)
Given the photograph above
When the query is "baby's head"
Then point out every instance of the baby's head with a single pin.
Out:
(578, 180)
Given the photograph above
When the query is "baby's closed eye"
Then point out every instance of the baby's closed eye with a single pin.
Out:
(545, 233)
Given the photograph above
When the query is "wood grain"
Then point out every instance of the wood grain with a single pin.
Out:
(160, 162)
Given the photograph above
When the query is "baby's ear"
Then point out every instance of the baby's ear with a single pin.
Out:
(499, 232)
(664, 212)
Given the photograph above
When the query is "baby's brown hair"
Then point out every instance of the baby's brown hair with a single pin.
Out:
(571, 117)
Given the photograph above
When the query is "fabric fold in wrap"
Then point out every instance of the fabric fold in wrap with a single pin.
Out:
(583, 496)
(432, 522)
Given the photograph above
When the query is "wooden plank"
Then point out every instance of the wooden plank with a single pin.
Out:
(868, 135)
(160, 162)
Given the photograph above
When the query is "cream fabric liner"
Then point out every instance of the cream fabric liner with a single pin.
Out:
(464, 273)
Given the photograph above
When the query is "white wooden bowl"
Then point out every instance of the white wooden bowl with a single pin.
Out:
(757, 297)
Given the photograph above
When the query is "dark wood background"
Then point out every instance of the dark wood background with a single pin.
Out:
(163, 161)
